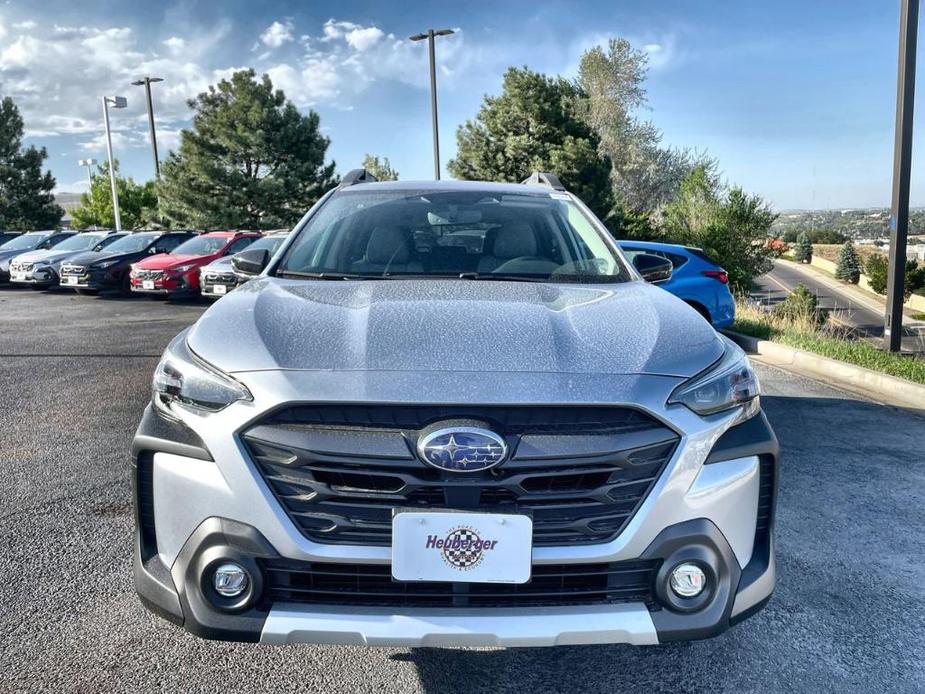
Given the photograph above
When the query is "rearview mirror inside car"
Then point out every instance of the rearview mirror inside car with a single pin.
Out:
(251, 261)
(653, 268)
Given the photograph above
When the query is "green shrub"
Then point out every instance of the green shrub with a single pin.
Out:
(800, 308)
(877, 269)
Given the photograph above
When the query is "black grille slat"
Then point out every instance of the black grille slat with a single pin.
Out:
(326, 462)
(372, 585)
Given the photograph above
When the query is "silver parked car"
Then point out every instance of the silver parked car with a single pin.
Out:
(453, 414)
(24, 243)
(219, 277)
(42, 268)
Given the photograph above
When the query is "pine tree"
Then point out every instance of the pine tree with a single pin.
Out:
(803, 251)
(535, 125)
(250, 161)
(849, 264)
(26, 200)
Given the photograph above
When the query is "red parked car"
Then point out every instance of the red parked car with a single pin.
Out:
(176, 273)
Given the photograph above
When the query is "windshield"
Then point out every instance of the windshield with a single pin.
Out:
(80, 242)
(201, 245)
(133, 243)
(24, 242)
(268, 243)
(472, 234)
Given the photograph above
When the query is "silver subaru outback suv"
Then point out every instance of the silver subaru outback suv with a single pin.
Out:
(453, 414)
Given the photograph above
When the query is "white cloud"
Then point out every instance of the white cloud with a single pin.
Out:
(120, 140)
(175, 45)
(277, 34)
(333, 30)
(28, 24)
(364, 38)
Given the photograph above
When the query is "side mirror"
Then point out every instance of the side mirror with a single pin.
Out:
(653, 268)
(251, 262)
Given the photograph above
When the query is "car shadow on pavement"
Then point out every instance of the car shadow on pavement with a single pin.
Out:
(848, 581)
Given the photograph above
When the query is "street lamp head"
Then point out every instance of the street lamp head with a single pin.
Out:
(86, 162)
(147, 80)
(436, 32)
(117, 101)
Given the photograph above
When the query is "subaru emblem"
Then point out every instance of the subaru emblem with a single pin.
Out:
(462, 449)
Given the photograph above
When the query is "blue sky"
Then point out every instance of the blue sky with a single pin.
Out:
(795, 99)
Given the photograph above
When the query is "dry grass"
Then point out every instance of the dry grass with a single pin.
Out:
(831, 251)
(803, 331)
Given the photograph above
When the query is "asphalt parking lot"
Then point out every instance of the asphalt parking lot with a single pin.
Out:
(848, 613)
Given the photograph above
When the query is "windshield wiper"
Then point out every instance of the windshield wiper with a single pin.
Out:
(322, 275)
(496, 277)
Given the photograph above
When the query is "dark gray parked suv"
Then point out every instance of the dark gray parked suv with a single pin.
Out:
(453, 414)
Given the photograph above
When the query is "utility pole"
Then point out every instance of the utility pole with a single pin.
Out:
(117, 102)
(902, 171)
(147, 82)
(433, 90)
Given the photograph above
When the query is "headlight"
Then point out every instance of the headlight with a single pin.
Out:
(728, 384)
(103, 264)
(183, 380)
(181, 269)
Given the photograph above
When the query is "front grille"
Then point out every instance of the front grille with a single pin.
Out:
(208, 280)
(78, 271)
(148, 274)
(372, 585)
(579, 472)
(21, 267)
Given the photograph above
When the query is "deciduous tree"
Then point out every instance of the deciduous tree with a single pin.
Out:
(380, 168)
(137, 202)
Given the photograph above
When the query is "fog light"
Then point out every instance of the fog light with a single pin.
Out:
(230, 580)
(687, 580)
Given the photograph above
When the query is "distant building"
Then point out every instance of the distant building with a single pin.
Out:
(70, 202)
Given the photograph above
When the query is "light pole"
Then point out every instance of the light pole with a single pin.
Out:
(433, 90)
(89, 163)
(116, 102)
(147, 82)
(902, 171)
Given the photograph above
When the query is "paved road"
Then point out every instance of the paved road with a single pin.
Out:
(847, 615)
(846, 308)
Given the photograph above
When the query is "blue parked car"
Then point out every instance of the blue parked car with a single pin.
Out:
(696, 279)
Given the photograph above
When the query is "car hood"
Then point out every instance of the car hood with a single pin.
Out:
(455, 325)
(164, 261)
(88, 257)
(49, 256)
(7, 255)
(223, 263)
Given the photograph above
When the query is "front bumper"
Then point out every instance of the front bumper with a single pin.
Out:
(167, 288)
(706, 506)
(39, 277)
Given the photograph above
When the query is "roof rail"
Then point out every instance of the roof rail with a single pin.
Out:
(541, 178)
(357, 176)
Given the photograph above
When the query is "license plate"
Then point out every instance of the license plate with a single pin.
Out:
(220, 289)
(70, 280)
(18, 276)
(147, 284)
(461, 547)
